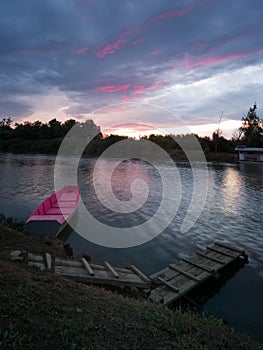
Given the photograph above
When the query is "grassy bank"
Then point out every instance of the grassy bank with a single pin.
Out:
(41, 311)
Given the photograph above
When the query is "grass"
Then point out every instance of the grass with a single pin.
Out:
(39, 310)
(11, 222)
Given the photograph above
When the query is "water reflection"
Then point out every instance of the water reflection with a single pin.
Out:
(231, 190)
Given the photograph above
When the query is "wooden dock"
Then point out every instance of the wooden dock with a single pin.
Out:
(103, 274)
(164, 287)
(179, 278)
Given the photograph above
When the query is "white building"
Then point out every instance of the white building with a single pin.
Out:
(249, 154)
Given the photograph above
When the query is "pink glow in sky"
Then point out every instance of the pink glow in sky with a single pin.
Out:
(166, 15)
(154, 52)
(214, 60)
(113, 88)
(194, 59)
(137, 41)
(82, 50)
(112, 47)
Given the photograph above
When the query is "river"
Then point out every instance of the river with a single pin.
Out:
(232, 213)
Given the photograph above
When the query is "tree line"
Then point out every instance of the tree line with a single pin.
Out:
(39, 137)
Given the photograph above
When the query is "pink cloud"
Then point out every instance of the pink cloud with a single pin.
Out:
(157, 84)
(82, 50)
(113, 88)
(167, 15)
(125, 98)
(214, 60)
(141, 89)
(135, 42)
(170, 14)
(111, 48)
(155, 52)
(136, 89)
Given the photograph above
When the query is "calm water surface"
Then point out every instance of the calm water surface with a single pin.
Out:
(232, 213)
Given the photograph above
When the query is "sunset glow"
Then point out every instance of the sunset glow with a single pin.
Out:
(164, 55)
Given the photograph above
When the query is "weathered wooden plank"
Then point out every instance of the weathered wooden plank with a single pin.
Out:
(176, 279)
(141, 274)
(172, 297)
(74, 263)
(168, 284)
(202, 267)
(221, 252)
(102, 267)
(101, 277)
(48, 261)
(211, 258)
(112, 270)
(173, 267)
(65, 262)
(166, 296)
(87, 267)
(165, 273)
(221, 244)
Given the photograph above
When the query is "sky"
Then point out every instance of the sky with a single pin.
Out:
(133, 66)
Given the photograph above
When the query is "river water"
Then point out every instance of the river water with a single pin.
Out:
(232, 213)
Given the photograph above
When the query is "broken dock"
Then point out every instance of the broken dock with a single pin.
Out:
(164, 287)
(101, 274)
(177, 279)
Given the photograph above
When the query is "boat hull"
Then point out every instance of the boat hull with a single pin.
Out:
(47, 227)
(52, 215)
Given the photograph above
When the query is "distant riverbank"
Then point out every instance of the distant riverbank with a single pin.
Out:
(177, 155)
(210, 156)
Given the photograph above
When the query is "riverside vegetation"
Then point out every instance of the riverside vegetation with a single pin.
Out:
(38, 137)
(39, 310)
(45, 138)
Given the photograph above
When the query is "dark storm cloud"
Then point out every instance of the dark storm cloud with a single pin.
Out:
(100, 52)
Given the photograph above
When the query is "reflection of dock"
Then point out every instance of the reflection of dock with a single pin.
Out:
(164, 287)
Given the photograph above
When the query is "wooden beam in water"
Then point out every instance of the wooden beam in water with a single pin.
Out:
(205, 268)
(211, 258)
(175, 268)
(116, 275)
(141, 274)
(169, 285)
(87, 267)
(221, 252)
(221, 244)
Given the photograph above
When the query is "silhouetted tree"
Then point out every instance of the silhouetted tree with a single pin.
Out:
(251, 129)
(6, 122)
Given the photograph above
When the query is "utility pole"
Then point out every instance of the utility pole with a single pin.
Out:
(217, 133)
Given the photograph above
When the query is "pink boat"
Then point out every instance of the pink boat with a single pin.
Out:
(52, 214)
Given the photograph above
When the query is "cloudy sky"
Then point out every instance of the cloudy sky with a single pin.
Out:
(153, 62)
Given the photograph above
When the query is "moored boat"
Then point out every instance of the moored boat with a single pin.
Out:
(54, 212)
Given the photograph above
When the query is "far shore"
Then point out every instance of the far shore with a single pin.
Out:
(175, 155)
